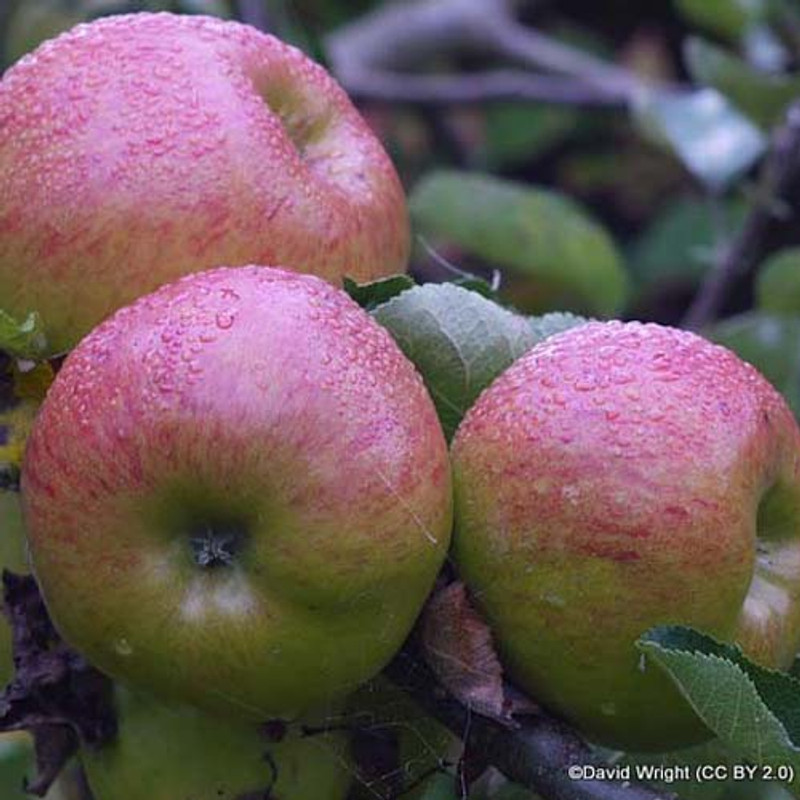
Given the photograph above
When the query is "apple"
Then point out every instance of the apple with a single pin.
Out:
(616, 477)
(164, 752)
(237, 494)
(139, 148)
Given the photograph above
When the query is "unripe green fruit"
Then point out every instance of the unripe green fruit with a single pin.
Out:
(166, 752)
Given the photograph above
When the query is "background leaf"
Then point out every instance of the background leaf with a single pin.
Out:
(562, 257)
(728, 18)
(678, 246)
(778, 282)
(761, 95)
(516, 133)
(713, 140)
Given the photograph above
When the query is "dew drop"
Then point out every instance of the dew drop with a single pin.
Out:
(224, 320)
(123, 647)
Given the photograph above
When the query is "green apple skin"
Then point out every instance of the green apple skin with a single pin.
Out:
(616, 477)
(139, 148)
(13, 556)
(237, 493)
(167, 752)
(423, 743)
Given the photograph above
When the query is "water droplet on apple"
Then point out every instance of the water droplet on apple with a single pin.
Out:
(224, 320)
(554, 600)
(609, 709)
(123, 647)
(585, 383)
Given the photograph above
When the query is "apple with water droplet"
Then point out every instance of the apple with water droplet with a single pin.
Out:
(237, 494)
(173, 752)
(139, 148)
(616, 477)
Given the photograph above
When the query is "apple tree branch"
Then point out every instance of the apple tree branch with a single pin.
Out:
(536, 755)
(378, 58)
(775, 204)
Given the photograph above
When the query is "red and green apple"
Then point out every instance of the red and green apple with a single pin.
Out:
(616, 477)
(237, 494)
(139, 148)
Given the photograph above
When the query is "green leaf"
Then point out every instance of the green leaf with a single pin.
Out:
(678, 246)
(778, 282)
(518, 133)
(478, 285)
(712, 139)
(761, 95)
(754, 711)
(370, 295)
(33, 23)
(771, 343)
(441, 786)
(556, 254)
(22, 339)
(728, 18)
(553, 323)
(458, 340)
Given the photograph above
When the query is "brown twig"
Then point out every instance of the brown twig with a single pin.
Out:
(379, 57)
(537, 755)
(484, 87)
(772, 207)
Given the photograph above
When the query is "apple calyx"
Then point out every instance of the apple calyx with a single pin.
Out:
(216, 545)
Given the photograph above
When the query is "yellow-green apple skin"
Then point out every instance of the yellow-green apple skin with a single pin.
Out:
(616, 477)
(13, 557)
(138, 148)
(171, 752)
(237, 493)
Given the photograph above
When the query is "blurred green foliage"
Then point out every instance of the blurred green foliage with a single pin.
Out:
(778, 282)
(554, 254)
